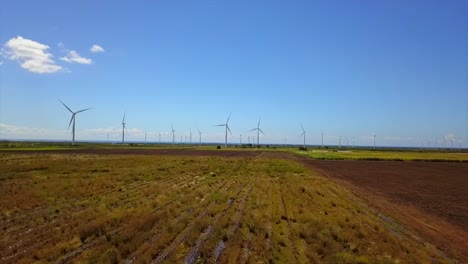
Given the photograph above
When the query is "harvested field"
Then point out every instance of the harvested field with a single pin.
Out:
(79, 207)
(430, 197)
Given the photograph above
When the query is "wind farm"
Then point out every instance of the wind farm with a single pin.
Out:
(234, 132)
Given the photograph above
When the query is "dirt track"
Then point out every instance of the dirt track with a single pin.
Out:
(429, 197)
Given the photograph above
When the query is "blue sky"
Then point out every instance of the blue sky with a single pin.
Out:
(398, 69)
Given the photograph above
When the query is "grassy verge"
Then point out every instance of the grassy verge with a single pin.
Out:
(385, 155)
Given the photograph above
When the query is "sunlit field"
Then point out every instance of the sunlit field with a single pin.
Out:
(152, 209)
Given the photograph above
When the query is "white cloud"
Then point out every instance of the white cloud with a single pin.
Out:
(32, 55)
(73, 57)
(96, 49)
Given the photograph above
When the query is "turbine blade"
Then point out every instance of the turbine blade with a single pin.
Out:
(228, 129)
(71, 120)
(84, 110)
(123, 120)
(258, 125)
(261, 131)
(221, 125)
(66, 106)
(302, 127)
(227, 121)
(253, 129)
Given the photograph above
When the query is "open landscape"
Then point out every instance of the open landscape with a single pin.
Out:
(219, 206)
(325, 132)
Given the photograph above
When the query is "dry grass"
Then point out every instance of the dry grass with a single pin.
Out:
(110, 208)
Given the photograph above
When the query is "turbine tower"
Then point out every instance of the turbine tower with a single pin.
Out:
(73, 117)
(321, 131)
(227, 128)
(190, 136)
(258, 132)
(173, 134)
(303, 134)
(199, 134)
(373, 134)
(124, 128)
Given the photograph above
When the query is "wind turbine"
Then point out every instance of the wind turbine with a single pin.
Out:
(258, 132)
(373, 134)
(173, 134)
(190, 136)
(73, 117)
(303, 134)
(321, 131)
(227, 128)
(124, 128)
(199, 133)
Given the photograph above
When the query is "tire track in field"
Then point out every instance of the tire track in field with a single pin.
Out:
(38, 233)
(233, 228)
(185, 214)
(169, 250)
(288, 221)
(76, 253)
(41, 234)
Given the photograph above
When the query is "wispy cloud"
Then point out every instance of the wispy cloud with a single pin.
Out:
(32, 55)
(96, 49)
(74, 57)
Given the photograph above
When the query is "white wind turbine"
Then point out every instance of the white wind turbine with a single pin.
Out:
(73, 118)
(227, 128)
(321, 131)
(173, 134)
(124, 128)
(258, 132)
(303, 134)
(373, 134)
(199, 134)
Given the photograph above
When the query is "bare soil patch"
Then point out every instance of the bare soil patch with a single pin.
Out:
(430, 197)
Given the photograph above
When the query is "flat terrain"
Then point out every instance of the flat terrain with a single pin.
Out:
(430, 197)
(190, 206)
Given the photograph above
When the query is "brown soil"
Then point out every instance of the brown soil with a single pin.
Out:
(428, 197)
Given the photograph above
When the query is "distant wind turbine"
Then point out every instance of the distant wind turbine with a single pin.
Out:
(199, 134)
(124, 128)
(227, 128)
(190, 136)
(373, 134)
(73, 117)
(173, 134)
(303, 134)
(339, 144)
(258, 132)
(321, 131)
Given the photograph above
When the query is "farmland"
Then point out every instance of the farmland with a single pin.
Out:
(238, 207)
